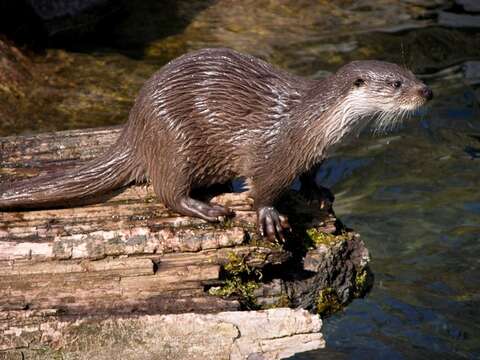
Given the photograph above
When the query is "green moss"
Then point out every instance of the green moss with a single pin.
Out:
(236, 287)
(361, 283)
(150, 199)
(236, 265)
(283, 301)
(321, 238)
(227, 223)
(257, 240)
(241, 281)
(328, 302)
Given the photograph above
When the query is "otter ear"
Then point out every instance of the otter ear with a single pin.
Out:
(359, 82)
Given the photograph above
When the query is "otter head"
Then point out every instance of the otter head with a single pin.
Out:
(375, 93)
(383, 89)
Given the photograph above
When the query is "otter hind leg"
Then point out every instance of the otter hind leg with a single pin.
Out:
(209, 212)
(177, 198)
(172, 182)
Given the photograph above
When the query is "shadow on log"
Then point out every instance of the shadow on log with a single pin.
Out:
(129, 258)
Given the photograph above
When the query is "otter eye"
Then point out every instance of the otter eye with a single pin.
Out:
(359, 82)
(397, 84)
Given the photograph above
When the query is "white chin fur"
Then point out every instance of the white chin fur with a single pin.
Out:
(409, 107)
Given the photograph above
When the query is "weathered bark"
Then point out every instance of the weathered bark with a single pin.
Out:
(114, 263)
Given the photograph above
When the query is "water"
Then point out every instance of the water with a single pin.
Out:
(413, 195)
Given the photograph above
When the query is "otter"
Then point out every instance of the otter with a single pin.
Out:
(213, 115)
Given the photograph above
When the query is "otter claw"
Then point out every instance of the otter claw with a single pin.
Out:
(284, 222)
(271, 224)
(220, 212)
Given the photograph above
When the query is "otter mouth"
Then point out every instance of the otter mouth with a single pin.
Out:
(412, 106)
(388, 121)
(421, 97)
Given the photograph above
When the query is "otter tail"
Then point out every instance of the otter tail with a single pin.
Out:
(116, 168)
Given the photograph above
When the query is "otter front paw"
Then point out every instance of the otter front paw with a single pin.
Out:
(271, 224)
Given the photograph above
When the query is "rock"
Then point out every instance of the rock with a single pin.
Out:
(37, 19)
(471, 71)
(270, 334)
(50, 9)
(17, 72)
(469, 5)
(15, 68)
(449, 19)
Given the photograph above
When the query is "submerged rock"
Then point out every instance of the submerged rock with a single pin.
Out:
(469, 5)
(471, 70)
(458, 20)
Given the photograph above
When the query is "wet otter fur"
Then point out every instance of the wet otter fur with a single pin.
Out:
(215, 114)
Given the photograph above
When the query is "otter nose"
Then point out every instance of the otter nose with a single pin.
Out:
(426, 92)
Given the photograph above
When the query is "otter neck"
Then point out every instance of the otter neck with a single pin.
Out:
(324, 119)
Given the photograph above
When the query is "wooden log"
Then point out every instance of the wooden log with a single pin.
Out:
(127, 257)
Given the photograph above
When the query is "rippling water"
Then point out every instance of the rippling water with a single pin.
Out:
(414, 195)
